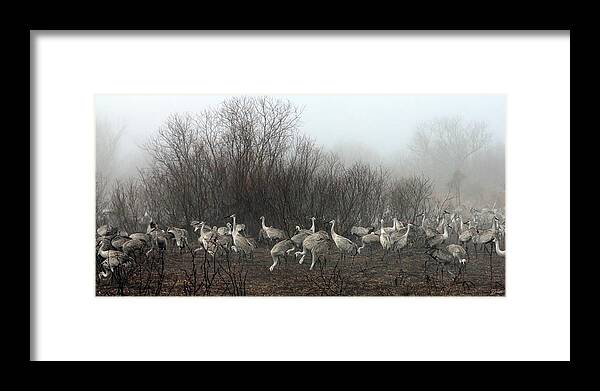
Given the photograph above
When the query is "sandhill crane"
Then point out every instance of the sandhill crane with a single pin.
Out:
(241, 245)
(368, 240)
(299, 238)
(458, 253)
(140, 236)
(486, 237)
(345, 245)
(106, 230)
(200, 226)
(113, 262)
(310, 242)
(439, 239)
(134, 248)
(225, 241)
(501, 230)
(151, 227)
(359, 232)
(397, 224)
(429, 232)
(106, 250)
(388, 230)
(424, 228)
(299, 229)
(302, 234)
(205, 238)
(273, 233)
(112, 258)
(312, 227)
(442, 257)
(157, 238)
(309, 231)
(208, 240)
(224, 230)
(455, 224)
(181, 237)
(118, 241)
(384, 239)
(261, 237)
(440, 227)
(240, 228)
(280, 249)
(171, 240)
(500, 253)
(399, 239)
(320, 250)
(466, 235)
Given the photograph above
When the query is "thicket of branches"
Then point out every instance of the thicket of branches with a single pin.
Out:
(249, 157)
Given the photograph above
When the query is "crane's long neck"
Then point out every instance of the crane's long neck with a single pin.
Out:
(423, 221)
(262, 219)
(312, 228)
(234, 230)
(445, 231)
(395, 225)
(103, 251)
(333, 234)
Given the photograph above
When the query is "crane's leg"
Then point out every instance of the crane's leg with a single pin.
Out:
(275, 260)
(303, 253)
(491, 270)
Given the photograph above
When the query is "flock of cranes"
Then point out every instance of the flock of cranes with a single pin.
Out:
(484, 229)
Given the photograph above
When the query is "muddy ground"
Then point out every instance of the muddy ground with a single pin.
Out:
(172, 273)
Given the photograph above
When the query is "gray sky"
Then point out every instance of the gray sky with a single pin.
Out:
(380, 125)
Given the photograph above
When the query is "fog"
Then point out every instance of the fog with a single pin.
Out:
(454, 142)
(377, 128)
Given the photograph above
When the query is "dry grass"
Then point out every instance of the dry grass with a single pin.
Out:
(366, 275)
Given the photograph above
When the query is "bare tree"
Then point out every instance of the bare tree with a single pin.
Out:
(409, 196)
(443, 146)
(102, 200)
(108, 136)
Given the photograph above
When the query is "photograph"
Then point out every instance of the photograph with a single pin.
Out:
(300, 195)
